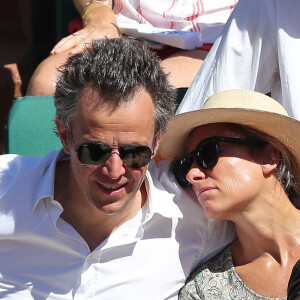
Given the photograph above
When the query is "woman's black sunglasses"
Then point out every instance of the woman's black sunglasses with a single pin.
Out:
(95, 153)
(206, 155)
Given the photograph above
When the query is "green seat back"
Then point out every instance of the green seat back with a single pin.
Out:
(29, 130)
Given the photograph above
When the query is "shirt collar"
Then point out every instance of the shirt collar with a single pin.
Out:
(45, 188)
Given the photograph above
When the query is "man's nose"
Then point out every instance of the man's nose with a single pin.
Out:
(114, 165)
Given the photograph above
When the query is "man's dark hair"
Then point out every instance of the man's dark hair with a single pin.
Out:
(116, 69)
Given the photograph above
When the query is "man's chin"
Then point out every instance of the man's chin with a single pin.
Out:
(111, 209)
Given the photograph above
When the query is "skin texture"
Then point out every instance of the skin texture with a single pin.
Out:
(243, 188)
(107, 195)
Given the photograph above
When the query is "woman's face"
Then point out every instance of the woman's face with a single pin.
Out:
(234, 182)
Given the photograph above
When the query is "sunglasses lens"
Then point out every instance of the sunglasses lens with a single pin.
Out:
(180, 169)
(207, 154)
(135, 156)
(93, 154)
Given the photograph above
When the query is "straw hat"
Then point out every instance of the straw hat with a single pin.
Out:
(243, 107)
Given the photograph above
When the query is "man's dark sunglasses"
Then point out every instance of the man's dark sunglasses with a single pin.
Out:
(206, 155)
(95, 153)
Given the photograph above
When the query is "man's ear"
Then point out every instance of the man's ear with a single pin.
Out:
(63, 135)
(156, 159)
(270, 159)
(157, 143)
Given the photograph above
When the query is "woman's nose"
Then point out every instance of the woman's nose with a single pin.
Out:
(195, 174)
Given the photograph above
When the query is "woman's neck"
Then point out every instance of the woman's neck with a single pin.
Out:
(270, 226)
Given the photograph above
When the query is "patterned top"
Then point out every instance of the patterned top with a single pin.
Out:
(205, 16)
(217, 279)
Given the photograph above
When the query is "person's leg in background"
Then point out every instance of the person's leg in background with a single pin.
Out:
(181, 65)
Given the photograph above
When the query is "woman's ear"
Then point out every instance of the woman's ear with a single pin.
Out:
(270, 159)
(63, 135)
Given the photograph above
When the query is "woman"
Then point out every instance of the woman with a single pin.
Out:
(242, 160)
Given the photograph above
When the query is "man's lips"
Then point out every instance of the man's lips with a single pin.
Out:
(111, 187)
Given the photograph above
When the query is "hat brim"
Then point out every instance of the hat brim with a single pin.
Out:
(283, 128)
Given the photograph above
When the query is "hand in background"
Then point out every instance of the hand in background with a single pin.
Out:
(76, 42)
(100, 22)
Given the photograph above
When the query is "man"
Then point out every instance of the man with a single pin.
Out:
(84, 223)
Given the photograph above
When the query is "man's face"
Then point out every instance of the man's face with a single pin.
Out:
(111, 187)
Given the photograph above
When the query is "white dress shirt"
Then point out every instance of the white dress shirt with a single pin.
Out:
(149, 257)
(258, 50)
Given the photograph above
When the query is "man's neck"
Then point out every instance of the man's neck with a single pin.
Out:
(94, 226)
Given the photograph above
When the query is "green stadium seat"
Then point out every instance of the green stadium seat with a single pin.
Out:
(30, 125)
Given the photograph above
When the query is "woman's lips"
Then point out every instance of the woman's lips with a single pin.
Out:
(204, 190)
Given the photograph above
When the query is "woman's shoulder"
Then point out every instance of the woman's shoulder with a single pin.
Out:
(217, 279)
(220, 263)
(209, 280)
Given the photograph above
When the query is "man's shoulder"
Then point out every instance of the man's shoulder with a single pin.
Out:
(23, 175)
(158, 169)
(165, 190)
(12, 164)
(162, 176)
(163, 183)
